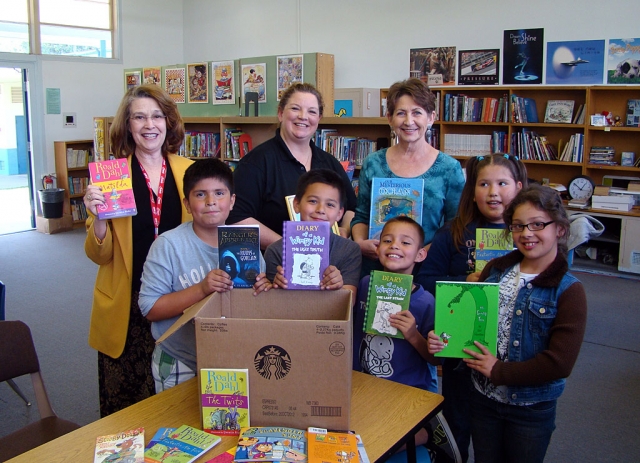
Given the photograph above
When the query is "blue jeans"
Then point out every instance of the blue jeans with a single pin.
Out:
(504, 433)
(456, 389)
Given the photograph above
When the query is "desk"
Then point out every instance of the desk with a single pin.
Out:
(384, 413)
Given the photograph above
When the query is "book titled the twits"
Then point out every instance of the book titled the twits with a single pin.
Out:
(305, 253)
(114, 179)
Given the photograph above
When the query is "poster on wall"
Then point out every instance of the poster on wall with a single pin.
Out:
(623, 64)
(152, 76)
(198, 83)
(435, 66)
(174, 84)
(479, 67)
(522, 52)
(289, 72)
(222, 75)
(254, 80)
(579, 62)
(131, 79)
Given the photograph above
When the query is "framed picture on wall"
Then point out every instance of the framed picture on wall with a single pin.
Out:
(174, 83)
(131, 79)
(289, 72)
(479, 67)
(198, 83)
(254, 79)
(224, 82)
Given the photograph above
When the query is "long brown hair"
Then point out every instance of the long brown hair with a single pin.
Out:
(468, 211)
(122, 143)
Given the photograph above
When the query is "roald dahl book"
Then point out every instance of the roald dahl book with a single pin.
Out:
(389, 293)
(239, 251)
(392, 197)
(305, 253)
(491, 243)
(183, 445)
(225, 400)
(466, 312)
(114, 179)
(124, 446)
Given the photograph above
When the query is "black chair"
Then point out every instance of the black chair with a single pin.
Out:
(18, 357)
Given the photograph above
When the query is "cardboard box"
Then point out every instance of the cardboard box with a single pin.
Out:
(297, 346)
(613, 202)
(364, 102)
(51, 226)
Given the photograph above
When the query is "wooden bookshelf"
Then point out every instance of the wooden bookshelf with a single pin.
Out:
(65, 174)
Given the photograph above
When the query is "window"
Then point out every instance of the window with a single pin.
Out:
(58, 27)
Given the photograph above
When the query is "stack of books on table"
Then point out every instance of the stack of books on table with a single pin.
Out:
(614, 202)
(579, 203)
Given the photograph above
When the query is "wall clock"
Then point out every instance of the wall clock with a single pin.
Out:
(581, 187)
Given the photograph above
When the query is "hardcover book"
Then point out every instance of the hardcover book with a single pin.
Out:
(239, 251)
(559, 111)
(466, 312)
(114, 179)
(225, 400)
(183, 445)
(392, 197)
(124, 446)
(389, 293)
(332, 447)
(305, 253)
(271, 443)
(491, 243)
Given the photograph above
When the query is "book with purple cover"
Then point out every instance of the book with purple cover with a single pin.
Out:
(305, 253)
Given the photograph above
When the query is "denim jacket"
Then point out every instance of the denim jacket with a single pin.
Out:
(534, 314)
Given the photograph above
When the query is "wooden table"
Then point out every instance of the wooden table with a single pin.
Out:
(384, 413)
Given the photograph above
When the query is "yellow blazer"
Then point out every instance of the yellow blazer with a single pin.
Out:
(112, 291)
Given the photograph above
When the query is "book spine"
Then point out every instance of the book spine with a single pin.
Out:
(368, 314)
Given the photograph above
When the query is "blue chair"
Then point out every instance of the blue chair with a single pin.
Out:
(10, 382)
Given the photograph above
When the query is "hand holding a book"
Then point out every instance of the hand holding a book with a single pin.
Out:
(473, 277)
(435, 344)
(331, 278)
(279, 281)
(262, 284)
(217, 281)
(92, 198)
(483, 362)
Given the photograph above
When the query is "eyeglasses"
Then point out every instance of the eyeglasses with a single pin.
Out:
(533, 226)
(140, 119)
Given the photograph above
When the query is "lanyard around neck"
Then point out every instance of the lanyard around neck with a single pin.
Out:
(156, 204)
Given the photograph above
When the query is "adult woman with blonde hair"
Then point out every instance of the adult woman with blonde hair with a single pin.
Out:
(146, 129)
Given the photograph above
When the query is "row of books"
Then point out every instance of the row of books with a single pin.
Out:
(602, 155)
(529, 145)
(352, 149)
(78, 185)
(467, 145)
(78, 210)
(238, 143)
(78, 158)
(573, 151)
(524, 110)
(201, 145)
(463, 108)
(499, 142)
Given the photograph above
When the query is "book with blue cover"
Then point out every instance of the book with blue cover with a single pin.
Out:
(393, 197)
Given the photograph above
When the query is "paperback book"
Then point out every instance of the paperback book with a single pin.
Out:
(392, 197)
(389, 293)
(305, 253)
(183, 445)
(160, 434)
(114, 179)
(332, 447)
(225, 400)
(124, 446)
(466, 312)
(271, 443)
(491, 243)
(239, 251)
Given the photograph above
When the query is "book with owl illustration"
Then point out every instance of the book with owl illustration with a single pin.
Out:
(114, 178)
(239, 251)
(466, 312)
(389, 293)
(491, 243)
(392, 197)
(305, 253)
(225, 400)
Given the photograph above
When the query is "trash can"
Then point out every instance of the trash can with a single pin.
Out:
(51, 202)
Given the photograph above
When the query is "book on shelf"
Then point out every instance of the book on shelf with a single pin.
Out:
(466, 312)
(468, 145)
(389, 293)
(524, 110)
(559, 112)
(392, 197)
(324, 446)
(294, 216)
(183, 445)
(627, 158)
(579, 203)
(491, 243)
(602, 155)
(224, 396)
(579, 116)
(271, 443)
(123, 446)
(305, 253)
(633, 113)
(239, 251)
(114, 179)
(200, 144)
(573, 150)
(238, 143)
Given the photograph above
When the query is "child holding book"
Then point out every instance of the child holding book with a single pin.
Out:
(182, 268)
(492, 183)
(542, 318)
(321, 196)
(402, 360)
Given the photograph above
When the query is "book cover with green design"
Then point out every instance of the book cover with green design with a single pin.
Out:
(389, 293)
(466, 312)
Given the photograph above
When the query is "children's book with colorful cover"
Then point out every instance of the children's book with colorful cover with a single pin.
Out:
(114, 179)
(389, 293)
(331, 447)
(466, 312)
(124, 446)
(183, 445)
(271, 443)
(226, 457)
(491, 243)
(391, 197)
(305, 253)
(293, 215)
(160, 434)
(225, 400)
(239, 251)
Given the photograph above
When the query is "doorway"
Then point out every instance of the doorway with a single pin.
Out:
(16, 200)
